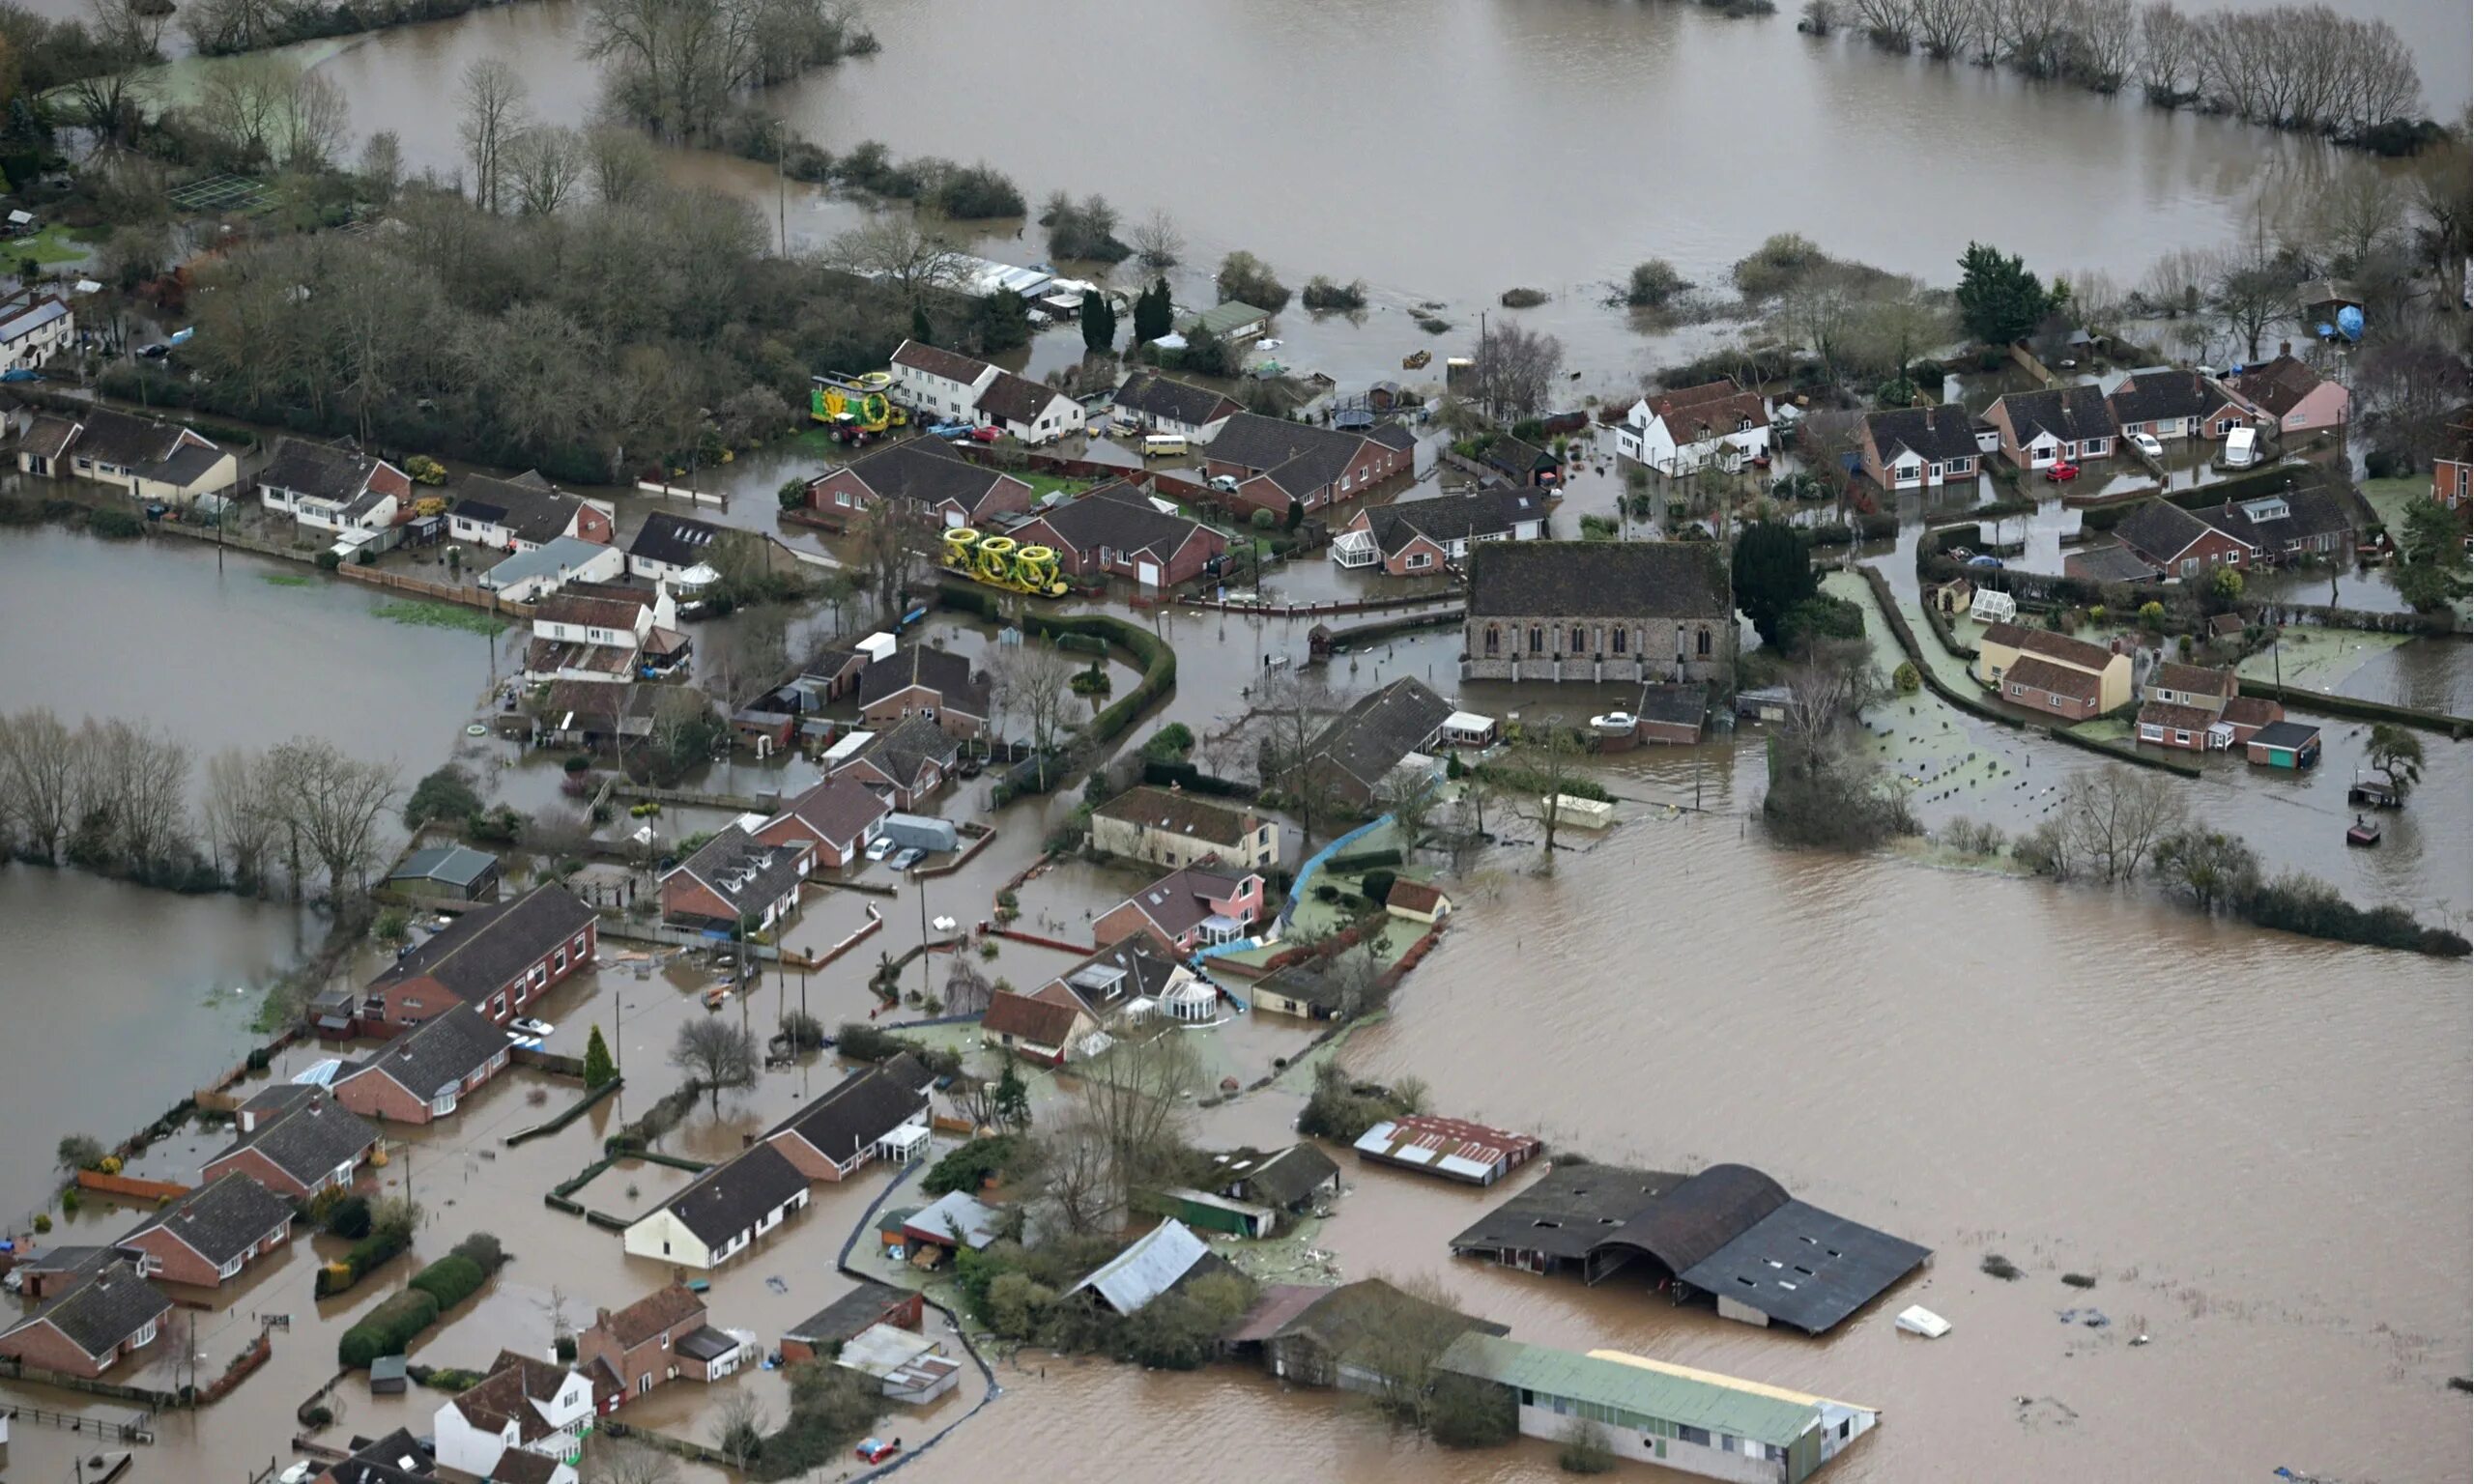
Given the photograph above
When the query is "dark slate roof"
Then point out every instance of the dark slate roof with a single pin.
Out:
(1178, 902)
(437, 1054)
(675, 539)
(1447, 518)
(741, 870)
(2285, 734)
(1805, 1267)
(706, 1344)
(2110, 562)
(1157, 396)
(1394, 434)
(398, 1458)
(942, 670)
(48, 436)
(321, 471)
(1013, 398)
(118, 437)
(1567, 1211)
(1518, 459)
(861, 1108)
(1120, 517)
(1040, 1022)
(1178, 812)
(925, 472)
(864, 1305)
(187, 463)
(840, 810)
(2310, 513)
(532, 509)
(910, 746)
(1596, 580)
(949, 364)
(481, 952)
(522, 1466)
(1316, 466)
(2067, 413)
(222, 1219)
(2156, 393)
(1254, 442)
(1131, 969)
(1354, 1313)
(1934, 434)
(731, 1198)
(310, 1139)
(101, 1312)
(2162, 530)
(1368, 740)
(2278, 387)
(1683, 1226)
(1290, 1176)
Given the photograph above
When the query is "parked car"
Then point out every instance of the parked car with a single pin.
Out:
(1980, 559)
(2062, 471)
(155, 352)
(881, 847)
(2146, 443)
(949, 430)
(1225, 484)
(875, 1450)
(532, 1027)
(908, 858)
(986, 435)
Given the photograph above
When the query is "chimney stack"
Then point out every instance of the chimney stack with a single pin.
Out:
(2285, 347)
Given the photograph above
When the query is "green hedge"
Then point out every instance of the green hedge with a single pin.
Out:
(367, 1255)
(1361, 860)
(1192, 779)
(450, 1280)
(2357, 708)
(1157, 660)
(387, 1330)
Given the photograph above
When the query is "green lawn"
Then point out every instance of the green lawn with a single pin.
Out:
(2317, 659)
(1045, 485)
(52, 247)
(2393, 498)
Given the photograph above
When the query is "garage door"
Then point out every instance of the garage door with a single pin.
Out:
(1147, 573)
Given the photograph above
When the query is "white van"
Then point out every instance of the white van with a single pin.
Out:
(1163, 446)
(2241, 448)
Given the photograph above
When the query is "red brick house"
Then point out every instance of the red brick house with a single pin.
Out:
(836, 1135)
(2292, 398)
(1185, 909)
(1421, 537)
(1919, 447)
(2166, 403)
(629, 1352)
(2045, 686)
(834, 821)
(905, 764)
(93, 1327)
(925, 477)
(1115, 530)
(2453, 471)
(307, 1145)
(1279, 463)
(498, 959)
(937, 684)
(2061, 424)
(2163, 723)
(2178, 543)
(734, 879)
(208, 1235)
(821, 1334)
(426, 1073)
(1032, 1026)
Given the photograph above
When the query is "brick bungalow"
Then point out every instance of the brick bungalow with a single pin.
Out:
(2175, 542)
(2284, 527)
(2042, 685)
(1032, 1027)
(2061, 424)
(497, 958)
(2175, 684)
(1115, 530)
(307, 1145)
(1185, 909)
(2247, 714)
(1919, 447)
(2292, 398)
(822, 1333)
(922, 476)
(1419, 536)
(836, 1135)
(634, 1350)
(2034, 667)
(937, 684)
(208, 1235)
(91, 1328)
(907, 763)
(732, 877)
(2163, 723)
(2166, 403)
(1279, 463)
(1379, 731)
(834, 821)
(423, 1075)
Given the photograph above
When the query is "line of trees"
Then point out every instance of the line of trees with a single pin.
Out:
(2297, 67)
(114, 797)
(221, 27)
(678, 67)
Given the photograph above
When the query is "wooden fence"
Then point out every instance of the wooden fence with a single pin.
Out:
(129, 1187)
(442, 592)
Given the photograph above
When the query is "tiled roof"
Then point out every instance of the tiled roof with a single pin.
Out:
(1039, 1022)
(840, 810)
(1157, 396)
(2308, 513)
(2191, 679)
(1254, 442)
(222, 1219)
(861, 1108)
(903, 753)
(864, 1305)
(507, 1393)
(1012, 398)
(589, 612)
(651, 1315)
(483, 949)
(1711, 410)
(1596, 580)
(1935, 434)
(949, 364)
(101, 1312)
(1122, 971)
(2071, 413)
(943, 670)
(309, 1139)
(2157, 393)
(2039, 674)
(1120, 518)
(532, 509)
(436, 1055)
(330, 472)
(924, 473)
(2157, 713)
(744, 872)
(1448, 517)
(1368, 740)
(1176, 902)
(2161, 530)
(673, 539)
(731, 1198)
(2278, 387)
(1178, 812)
(2076, 653)
(119, 437)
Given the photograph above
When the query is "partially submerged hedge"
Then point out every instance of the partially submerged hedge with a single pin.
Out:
(387, 1330)
(450, 1280)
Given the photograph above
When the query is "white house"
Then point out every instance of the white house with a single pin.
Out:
(722, 1213)
(529, 576)
(940, 384)
(520, 514)
(676, 550)
(594, 631)
(526, 1405)
(31, 329)
(1026, 410)
(328, 487)
(149, 460)
(1147, 402)
(1679, 432)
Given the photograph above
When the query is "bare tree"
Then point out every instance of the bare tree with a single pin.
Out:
(968, 991)
(1409, 797)
(2356, 213)
(1157, 242)
(715, 1054)
(892, 552)
(1544, 761)
(125, 36)
(1401, 1345)
(895, 251)
(151, 812)
(1134, 1096)
(494, 101)
(2168, 54)
(2107, 823)
(1514, 369)
(738, 1427)
(1069, 1166)
(544, 166)
(1833, 681)
(39, 769)
(1297, 706)
(631, 1463)
(1031, 683)
(333, 802)
(2252, 287)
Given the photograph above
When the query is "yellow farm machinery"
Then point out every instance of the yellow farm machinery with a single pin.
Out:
(1000, 562)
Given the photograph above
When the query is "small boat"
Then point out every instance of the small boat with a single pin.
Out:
(1416, 360)
(2363, 832)
(1916, 1319)
(699, 1285)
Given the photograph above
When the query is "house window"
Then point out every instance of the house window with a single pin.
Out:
(2018, 690)
(1419, 560)
(1935, 470)
(1576, 639)
(1702, 644)
(2053, 702)
(1537, 640)
(2190, 566)
(1493, 641)
(1618, 641)
(559, 960)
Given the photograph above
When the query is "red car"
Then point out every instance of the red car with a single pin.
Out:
(986, 435)
(2062, 471)
(875, 1450)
